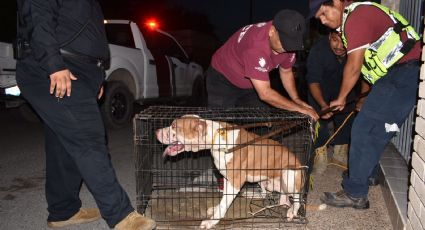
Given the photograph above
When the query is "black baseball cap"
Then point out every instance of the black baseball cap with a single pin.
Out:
(314, 7)
(291, 26)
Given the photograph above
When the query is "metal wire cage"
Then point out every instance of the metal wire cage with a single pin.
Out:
(253, 147)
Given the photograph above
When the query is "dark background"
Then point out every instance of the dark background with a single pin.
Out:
(215, 17)
(201, 26)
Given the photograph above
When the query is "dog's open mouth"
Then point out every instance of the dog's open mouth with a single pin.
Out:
(173, 149)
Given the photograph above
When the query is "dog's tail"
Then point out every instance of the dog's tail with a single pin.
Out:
(315, 207)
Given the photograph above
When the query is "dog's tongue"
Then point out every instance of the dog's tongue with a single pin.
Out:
(173, 149)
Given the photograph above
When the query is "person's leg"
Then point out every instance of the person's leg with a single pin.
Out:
(322, 133)
(341, 141)
(369, 139)
(78, 125)
(221, 93)
(320, 157)
(63, 180)
(389, 102)
(343, 136)
(373, 178)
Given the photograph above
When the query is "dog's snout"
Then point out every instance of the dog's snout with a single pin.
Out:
(160, 135)
(163, 136)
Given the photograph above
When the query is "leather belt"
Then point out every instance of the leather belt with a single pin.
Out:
(84, 58)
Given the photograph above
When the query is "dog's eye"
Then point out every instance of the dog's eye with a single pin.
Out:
(173, 125)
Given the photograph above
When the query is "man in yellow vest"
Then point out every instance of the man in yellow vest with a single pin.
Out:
(386, 51)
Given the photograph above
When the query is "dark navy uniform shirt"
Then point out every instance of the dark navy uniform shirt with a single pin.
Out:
(48, 24)
(323, 67)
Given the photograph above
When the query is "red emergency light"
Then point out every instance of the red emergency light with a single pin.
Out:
(152, 24)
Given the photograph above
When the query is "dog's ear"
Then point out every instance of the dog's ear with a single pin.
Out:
(201, 127)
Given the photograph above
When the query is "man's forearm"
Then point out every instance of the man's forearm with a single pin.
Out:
(288, 81)
(275, 99)
(316, 92)
(352, 71)
(348, 82)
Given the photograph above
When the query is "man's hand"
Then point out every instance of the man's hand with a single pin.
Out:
(302, 103)
(339, 104)
(100, 93)
(309, 111)
(327, 115)
(60, 83)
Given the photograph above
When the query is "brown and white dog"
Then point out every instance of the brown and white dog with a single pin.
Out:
(267, 162)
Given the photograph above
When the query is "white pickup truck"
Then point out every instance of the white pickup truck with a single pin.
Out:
(144, 67)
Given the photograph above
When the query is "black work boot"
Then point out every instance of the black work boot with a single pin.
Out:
(341, 199)
(372, 181)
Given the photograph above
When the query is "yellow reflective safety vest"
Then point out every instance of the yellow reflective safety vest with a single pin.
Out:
(388, 49)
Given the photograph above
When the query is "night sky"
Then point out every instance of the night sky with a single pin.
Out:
(217, 17)
(229, 15)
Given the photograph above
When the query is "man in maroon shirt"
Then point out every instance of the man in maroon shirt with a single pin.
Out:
(394, 83)
(238, 75)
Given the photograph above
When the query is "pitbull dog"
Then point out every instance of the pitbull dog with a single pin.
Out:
(266, 161)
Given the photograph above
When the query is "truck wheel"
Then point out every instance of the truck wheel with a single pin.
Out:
(117, 107)
(28, 113)
(199, 92)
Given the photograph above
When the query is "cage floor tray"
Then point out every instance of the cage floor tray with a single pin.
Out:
(185, 210)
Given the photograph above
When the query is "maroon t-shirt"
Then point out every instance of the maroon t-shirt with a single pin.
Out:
(247, 55)
(366, 24)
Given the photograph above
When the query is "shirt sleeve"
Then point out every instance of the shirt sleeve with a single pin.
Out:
(43, 39)
(361, 31)
(288, 60)
(256, 65)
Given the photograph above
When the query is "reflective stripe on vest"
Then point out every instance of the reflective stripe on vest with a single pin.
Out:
(388, 49)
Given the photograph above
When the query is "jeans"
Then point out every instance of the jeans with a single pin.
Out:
(75, 143)
(390, 101)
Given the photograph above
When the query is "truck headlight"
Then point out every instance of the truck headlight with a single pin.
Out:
(13, 91)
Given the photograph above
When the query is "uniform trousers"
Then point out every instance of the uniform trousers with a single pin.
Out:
(75, 142)
(388, 104)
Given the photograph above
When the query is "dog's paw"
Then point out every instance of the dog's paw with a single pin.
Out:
(207, 224)
(290, 214)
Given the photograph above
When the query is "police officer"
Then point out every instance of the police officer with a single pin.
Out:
(63, 49)
(386, 50)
